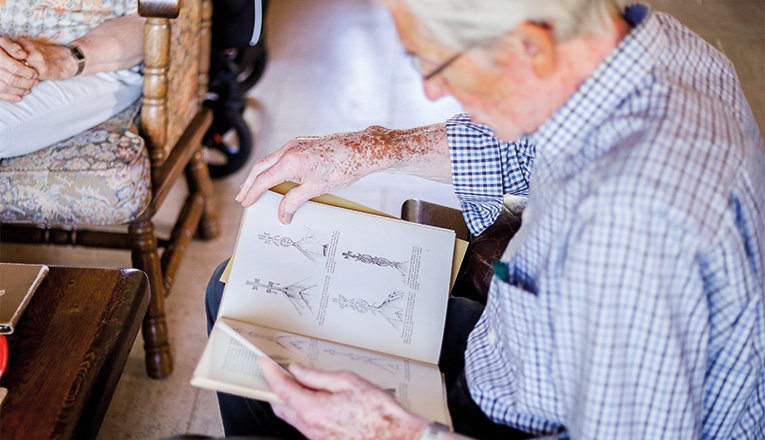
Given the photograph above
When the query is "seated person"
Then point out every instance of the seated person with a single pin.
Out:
(64, 69)
(631, 302)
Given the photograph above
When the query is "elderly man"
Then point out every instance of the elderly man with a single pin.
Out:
(630, 304)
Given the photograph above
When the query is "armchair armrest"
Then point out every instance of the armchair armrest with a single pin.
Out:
(427, 213)
(483, 250)
(176, 63)
(159, 8)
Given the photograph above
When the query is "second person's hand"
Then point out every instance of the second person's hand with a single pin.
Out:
(17, 77)
(52, 61)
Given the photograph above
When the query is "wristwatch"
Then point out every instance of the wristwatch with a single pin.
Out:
(434, 431)
(78, 56)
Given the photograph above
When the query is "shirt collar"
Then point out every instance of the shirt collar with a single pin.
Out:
(560, 140)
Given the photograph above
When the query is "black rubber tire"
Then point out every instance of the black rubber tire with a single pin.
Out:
(235, 158)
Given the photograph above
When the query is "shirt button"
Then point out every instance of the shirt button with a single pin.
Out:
(491, 336)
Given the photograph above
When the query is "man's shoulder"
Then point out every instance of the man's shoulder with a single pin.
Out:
(673, 162)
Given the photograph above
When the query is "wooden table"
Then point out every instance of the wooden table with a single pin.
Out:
(69, 350)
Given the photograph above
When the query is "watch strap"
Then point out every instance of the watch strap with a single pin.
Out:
(78, 56)
(434, 431)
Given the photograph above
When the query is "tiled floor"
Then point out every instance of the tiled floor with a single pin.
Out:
(335, 66)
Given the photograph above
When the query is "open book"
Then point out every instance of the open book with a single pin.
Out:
(336, 289)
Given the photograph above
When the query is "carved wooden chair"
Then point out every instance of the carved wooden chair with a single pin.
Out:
(120, 172)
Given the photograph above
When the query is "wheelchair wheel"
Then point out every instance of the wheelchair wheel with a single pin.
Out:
(228, 147)
(251, 63)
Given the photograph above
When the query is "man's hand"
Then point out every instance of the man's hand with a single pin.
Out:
(338, 405)
(318, 164)
(17, 77)
(327, 163)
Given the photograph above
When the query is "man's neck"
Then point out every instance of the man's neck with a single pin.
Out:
(579, 57)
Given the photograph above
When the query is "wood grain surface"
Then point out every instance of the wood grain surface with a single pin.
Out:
(69, 351)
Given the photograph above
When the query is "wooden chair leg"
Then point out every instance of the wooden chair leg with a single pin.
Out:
(145, 255)
(198, 178)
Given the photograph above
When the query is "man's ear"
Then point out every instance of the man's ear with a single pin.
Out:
(535, 43)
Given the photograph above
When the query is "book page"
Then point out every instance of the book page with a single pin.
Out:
(230, 362)
(344, 276)
(460, 246)
(231, 366)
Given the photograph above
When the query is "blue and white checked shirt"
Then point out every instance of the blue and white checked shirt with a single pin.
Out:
(633, 306)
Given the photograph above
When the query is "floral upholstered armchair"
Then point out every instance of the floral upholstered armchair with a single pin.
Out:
(120, 172)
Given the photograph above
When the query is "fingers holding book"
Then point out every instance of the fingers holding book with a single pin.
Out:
(324, 404)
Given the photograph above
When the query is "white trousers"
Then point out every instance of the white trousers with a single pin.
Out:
(56, 110)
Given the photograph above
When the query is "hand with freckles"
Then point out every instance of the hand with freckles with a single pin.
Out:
(322, 164)
(338, 405)
(17, 76)
(318, 164)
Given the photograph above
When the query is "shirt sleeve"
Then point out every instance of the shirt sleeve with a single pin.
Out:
(484, 169)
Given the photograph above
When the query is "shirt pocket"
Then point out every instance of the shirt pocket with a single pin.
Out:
(519, 324)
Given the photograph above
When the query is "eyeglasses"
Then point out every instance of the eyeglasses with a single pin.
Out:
(417, 62)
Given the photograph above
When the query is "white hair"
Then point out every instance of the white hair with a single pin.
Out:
(461, 24)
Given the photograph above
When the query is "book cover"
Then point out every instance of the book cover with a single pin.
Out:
(18, 283)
